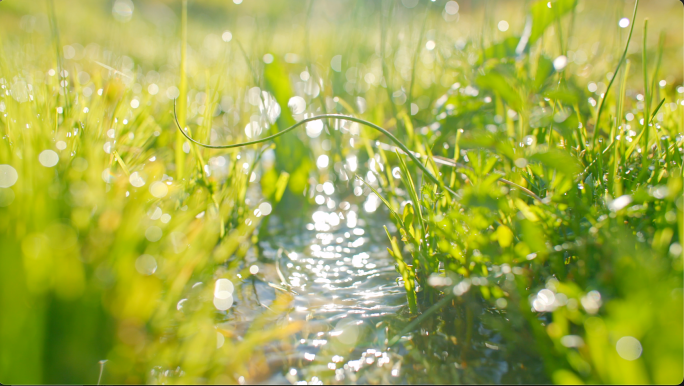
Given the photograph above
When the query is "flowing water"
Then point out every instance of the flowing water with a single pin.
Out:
(350, 298)
(346, 285)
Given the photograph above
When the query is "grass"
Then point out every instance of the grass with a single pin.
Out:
(528, 208)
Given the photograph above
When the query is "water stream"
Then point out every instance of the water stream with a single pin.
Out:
(348, 295)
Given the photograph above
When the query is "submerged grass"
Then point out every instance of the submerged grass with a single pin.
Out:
(537, 231)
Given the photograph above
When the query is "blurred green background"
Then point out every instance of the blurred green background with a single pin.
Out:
(94, 83)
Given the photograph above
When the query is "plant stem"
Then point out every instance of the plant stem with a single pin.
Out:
(183, 94)
(647, 98)
(417, 321)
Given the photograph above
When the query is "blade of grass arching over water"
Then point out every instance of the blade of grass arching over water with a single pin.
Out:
(183, 92)
(304, 121)
(597, 124)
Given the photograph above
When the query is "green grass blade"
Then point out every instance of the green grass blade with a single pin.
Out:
(183, 93)
(612, 79)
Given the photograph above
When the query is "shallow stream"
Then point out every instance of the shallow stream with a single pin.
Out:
(349, 296)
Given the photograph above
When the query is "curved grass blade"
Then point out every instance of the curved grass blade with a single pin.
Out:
(319, 117)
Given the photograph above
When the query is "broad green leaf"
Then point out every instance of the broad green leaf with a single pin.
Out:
(543, 15)
(558, 160)
(504, 236)
(502, 49)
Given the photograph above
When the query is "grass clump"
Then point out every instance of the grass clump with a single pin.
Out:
(531, 169)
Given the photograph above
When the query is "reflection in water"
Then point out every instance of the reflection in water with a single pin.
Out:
(350, 296)
(345, 287)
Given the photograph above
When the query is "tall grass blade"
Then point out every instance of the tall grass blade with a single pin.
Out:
(597, 125)
(183, 92)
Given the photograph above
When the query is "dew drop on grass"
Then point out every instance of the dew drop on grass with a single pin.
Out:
(314, 128)
(252, 129)
(297, 105)
(223, 288)
(48, 158)
(503, 26)
(159, 189)
(8, 176)
(220, 339)
(136, 179)
(155, 214)
(451, 7)
(323, 161)
(223, 304)
(336, 63)
(123, 10)
(629, 348)
(107, 176)
(153, 233)
(560, 62)
(146, 265)
(265, 208)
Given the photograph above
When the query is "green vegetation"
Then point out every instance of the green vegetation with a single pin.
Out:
(521, 161)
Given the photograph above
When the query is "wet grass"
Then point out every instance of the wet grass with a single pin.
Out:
(530, 180)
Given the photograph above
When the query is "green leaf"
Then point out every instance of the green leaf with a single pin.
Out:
(533, 236)
(558, 160)
(544, 71)
(562, 95)
(504, 236)
(543, 16)
(503, 49)
(406, 272)
(501, 86)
